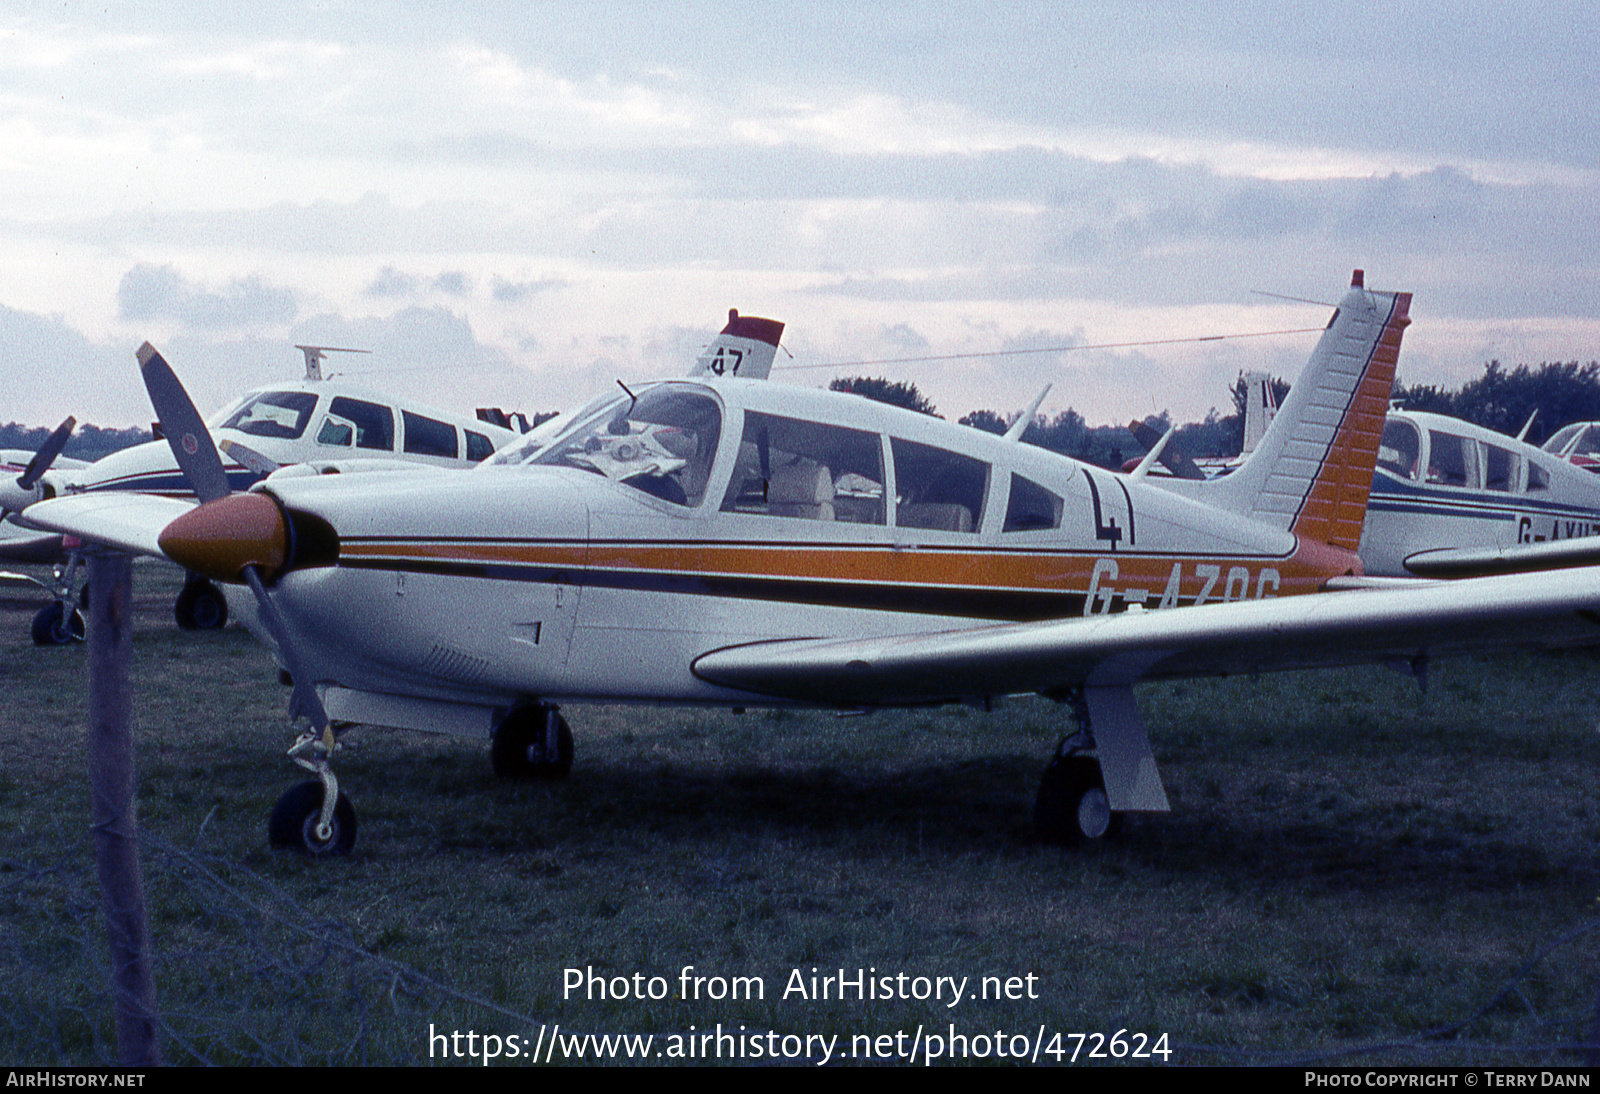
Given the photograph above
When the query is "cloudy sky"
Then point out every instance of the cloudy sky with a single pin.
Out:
(518, 203)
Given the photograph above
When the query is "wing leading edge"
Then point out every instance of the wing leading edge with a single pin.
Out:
(1543, 610)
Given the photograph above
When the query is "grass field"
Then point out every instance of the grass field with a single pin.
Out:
(1354, 871)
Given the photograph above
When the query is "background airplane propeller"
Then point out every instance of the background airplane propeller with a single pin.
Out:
(47, 454)
(37, 466)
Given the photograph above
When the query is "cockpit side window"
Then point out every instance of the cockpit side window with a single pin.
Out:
(792, 468)
(429, 437)
(373, 422)
(281, 414)
(661, 443)
(1397, 452)
(938, 489)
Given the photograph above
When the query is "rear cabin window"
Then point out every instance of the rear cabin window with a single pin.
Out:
(1502, 469)
(807, 470)
(937, 489)
(1031, 508)
(429, 436)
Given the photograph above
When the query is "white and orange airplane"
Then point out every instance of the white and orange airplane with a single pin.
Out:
(725, 541)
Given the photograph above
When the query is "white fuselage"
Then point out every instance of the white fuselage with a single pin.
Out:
(1445, 483)
(789, 513)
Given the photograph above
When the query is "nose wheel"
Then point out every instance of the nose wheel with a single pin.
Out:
(200, 606)
(314, 818)
(532, 743)
(297, 824)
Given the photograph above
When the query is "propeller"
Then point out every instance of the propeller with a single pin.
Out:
(47, 454)
(231, 537)
(13, 499)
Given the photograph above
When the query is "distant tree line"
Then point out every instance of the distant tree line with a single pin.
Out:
(1502, 398)
(89, 442)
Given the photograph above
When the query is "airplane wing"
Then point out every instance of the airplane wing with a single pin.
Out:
(1374, 625)
(19, 544)
(129, 522)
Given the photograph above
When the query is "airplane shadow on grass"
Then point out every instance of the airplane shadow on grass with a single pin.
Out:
(969, 807)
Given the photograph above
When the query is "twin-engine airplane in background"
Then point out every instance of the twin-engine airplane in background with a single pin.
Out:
(316, 422)
(723, 541)
(310, 421)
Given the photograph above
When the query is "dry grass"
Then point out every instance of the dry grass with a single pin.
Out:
(1349, 864)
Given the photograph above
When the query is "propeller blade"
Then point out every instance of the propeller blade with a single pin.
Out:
(304, 701)
(185, 429)
(249, 457)
(47, 454)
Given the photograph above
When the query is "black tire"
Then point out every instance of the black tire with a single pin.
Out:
(518, 748)
(293, 825)
(1072, 807)
(52, 626)
(201, 607)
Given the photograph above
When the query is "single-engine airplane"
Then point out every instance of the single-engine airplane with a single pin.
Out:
(1450, 498)
(310, 421)
(1447, 492)
(728, 542)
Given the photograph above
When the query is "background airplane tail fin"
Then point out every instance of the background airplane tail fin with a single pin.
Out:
(1260, 407)
(745, 348)
(1312, 469)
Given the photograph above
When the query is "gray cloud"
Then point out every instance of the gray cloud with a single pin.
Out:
(160, 292)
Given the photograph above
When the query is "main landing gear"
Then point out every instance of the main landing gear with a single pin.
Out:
(1101, 771)
(533, 742)
(58, 624)
(1072, 806)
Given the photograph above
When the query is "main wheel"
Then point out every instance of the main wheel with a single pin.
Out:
(1072, 805)
(293, 825)
(200, 607)
(518, 751)
(52, 626)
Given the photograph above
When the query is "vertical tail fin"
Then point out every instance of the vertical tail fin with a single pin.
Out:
(1312, 469)
(745, 348)
(1260, 406)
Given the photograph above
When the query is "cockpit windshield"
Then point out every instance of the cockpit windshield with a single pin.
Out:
(661, 442)
(281, 414)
